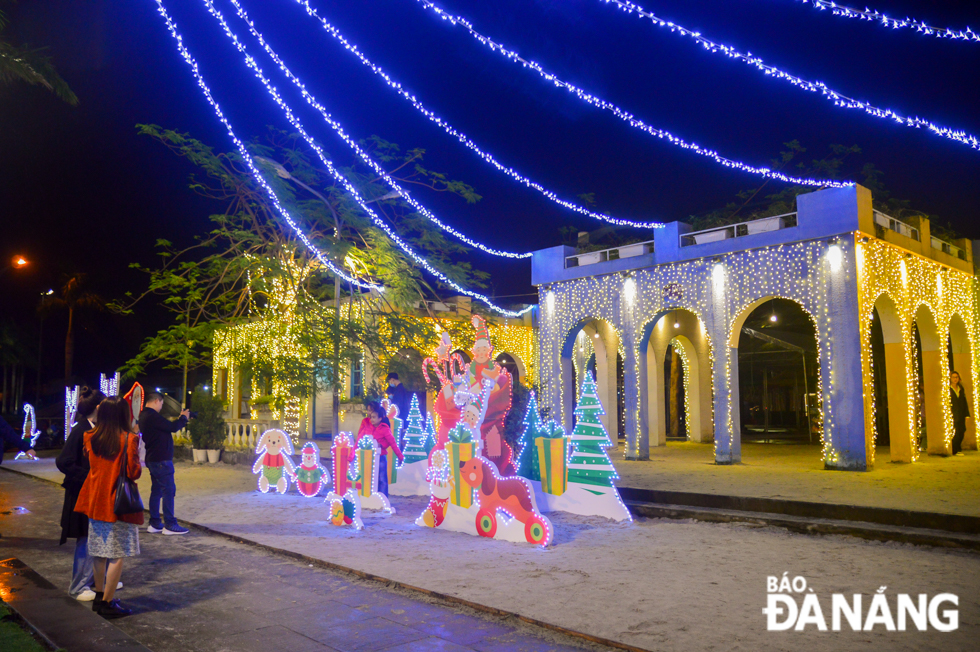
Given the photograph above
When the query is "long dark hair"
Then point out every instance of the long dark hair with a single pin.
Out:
(88, 400)
(375, 406)
(112, 421)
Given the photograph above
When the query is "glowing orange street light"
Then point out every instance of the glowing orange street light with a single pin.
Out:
(19, 261)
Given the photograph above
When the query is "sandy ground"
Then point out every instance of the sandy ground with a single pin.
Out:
(946, 485)
(656, 584)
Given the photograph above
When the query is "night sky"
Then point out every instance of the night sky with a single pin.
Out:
(81, 191)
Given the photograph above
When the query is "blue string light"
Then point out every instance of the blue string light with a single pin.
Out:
(171, 26)
(624, 115)
(336, 126)
(458, 135)
(822, 89)
(876, 16)
(247, 158)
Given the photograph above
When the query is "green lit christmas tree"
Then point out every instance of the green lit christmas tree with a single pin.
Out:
(430, 435)
(589, 463)
(527, 458)
(415, 434)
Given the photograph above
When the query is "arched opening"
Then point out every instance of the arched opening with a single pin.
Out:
(961, 360)
(675, 379)
(467, 358)
(508, 362)
(777, 377)
(932, 372)
(892, 426)
(592, 345)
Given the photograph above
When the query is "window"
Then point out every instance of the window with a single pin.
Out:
(357, 378)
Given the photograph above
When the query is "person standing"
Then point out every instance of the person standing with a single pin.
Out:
(158, 436)
(375, 424)
(73, 462)
(960, 409)
(399, 396)
(112, 450)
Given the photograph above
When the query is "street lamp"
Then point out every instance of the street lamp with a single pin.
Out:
(17, 262)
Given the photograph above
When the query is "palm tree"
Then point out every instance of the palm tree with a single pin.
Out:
(32, 66)
(72, 297)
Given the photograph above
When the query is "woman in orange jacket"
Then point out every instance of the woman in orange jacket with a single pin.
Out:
(110, 537)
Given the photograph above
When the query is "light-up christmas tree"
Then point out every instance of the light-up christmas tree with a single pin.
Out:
(527, 461)
(589, 463)
(430, 434)
(415, 434)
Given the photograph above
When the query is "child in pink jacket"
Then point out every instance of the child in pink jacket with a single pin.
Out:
(376, 425)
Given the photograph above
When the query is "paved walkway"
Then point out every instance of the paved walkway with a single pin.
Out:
(665, 585)
(945, 485)
(203, 593)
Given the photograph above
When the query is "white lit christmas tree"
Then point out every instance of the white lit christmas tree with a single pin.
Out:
(415, 434)
(589, 463)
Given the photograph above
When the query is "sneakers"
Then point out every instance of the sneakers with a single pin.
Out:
(175, 529)
(86, 595)
(112, 609)
(152, 529)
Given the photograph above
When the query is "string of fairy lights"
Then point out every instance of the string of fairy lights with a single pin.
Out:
(339, 130)
(340, 178)
(249, 162)
(419, 106)
(873, 15)
(837, 98)
(623, 114)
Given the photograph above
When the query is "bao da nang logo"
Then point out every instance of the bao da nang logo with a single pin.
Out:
(792, 605)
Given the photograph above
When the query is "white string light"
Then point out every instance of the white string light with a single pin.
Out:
(876, 16)
(247, 158)
(333, 171)
(336, 126)
(828, 93)
(624, 115)
(460, 136)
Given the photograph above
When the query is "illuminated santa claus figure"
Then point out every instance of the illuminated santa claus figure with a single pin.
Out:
(483, 366)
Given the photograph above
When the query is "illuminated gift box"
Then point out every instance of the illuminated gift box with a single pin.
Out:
(392, 467)
(553, 461)
(460, 448)
(367, 450)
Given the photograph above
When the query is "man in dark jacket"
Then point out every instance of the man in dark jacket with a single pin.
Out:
(399, 396)
(158, 436)
(960, 409)
(11, 437)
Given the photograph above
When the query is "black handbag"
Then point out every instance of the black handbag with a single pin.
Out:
(128, 499)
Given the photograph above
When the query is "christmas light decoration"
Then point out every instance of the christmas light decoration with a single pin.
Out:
(336, 174)
(722, 289)
(71, 405)
(911, 282)
(343, 501)
(513, 497)
(588, 462)
(109, 385)
(31, 433)
(450, 129)
(873, 15)
(273, 466)
(368, 465)
(247, 158)
(622, 114)
(415, 434)
(350, 142)
(311, 476)
(527, 456)
(838, 99)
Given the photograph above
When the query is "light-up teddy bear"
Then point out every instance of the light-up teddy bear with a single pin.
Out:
(273, 465)
(311, 476)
